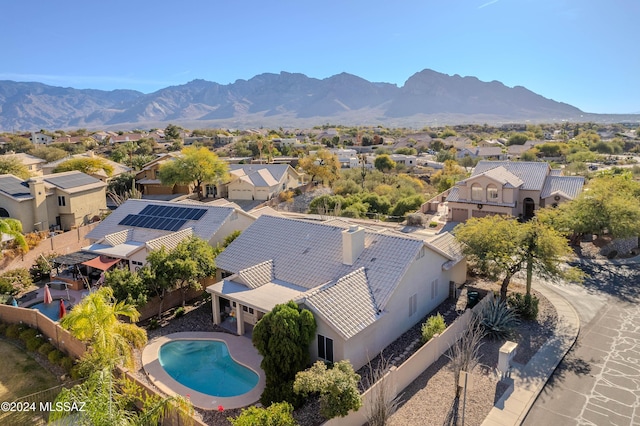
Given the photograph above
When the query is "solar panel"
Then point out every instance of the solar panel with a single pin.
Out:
(14, 186)
(71, 180)
(173, 212)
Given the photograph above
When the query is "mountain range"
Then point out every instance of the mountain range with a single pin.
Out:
(280, 100)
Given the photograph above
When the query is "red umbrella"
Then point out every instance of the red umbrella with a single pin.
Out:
(63, 310)
(47, 295)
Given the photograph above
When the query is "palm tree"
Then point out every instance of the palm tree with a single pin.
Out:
(13, 228)
(108, 401)
(95, 321)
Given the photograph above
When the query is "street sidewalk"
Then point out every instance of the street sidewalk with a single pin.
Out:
(528, 380)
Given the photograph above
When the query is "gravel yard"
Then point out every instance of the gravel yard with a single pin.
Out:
(428, 400)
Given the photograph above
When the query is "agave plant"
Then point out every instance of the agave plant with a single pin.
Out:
(498, 320)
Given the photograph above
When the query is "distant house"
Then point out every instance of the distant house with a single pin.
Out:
(407, 160)
(138, 227)
(32, 163)
(147, 180)
(118, 168)
(364, 287)
(258, 181)
(348, 158)
(510, 188)
(482, 152)
(40, 138)
(63, 201)
(515, 151)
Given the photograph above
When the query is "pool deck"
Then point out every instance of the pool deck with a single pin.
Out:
(241, 350)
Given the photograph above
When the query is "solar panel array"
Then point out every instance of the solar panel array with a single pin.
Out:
(71, 180)
(166, 218)
(14, 186)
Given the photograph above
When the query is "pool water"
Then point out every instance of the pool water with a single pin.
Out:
(207, 367)
(51, 310)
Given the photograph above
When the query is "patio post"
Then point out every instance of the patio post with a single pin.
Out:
(216, 308)
(240, 319)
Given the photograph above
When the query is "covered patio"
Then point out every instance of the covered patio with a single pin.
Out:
(238, 308)
(80, 269)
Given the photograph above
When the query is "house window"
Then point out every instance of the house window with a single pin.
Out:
(434, 288)
(62, 201)
(413, 304)
(476, 192)
(492, 192)
(421, 253)
(325, 348)
(251, 310)
(244, 308)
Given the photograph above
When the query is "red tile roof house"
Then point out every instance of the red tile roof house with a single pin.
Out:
(510, 188)
(365, 287)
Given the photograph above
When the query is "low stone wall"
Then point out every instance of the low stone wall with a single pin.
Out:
(58, 336)
(621, 246)
(398, 378)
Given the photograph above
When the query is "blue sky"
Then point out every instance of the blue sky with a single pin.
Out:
(582, 52)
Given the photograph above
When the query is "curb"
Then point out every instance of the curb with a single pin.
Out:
(528, 383)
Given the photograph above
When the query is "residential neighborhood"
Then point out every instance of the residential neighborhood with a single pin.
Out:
(353, 245)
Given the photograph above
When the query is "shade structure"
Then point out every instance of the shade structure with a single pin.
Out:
(101, 262)
(63, 310)
(47, 295)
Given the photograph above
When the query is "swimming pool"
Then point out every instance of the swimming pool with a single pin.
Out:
(51, 310)
(207, 367)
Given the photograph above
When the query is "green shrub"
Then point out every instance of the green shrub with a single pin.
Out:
(28, 334)
(14, 330)
(76, 372)
(34, 343)
(67, 363)
(45, 348)
(435, 325)
(497, 319)
(179, 312)
(526, 306)
(153, 324)
(55, 356)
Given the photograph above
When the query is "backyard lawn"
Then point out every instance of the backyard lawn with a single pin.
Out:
(20, 374)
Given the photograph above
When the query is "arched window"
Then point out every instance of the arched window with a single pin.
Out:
(492, 192)
(4, 213)
(476, 192)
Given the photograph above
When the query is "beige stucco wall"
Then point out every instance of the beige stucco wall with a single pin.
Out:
(237, 221)
(20, 210)
(396, 320)
(86, 204)
(240, 190)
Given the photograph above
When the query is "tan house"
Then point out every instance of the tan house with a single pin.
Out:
(62, 201)
(365, 287)
(147, 180)
(258, 181)
(118, 168)
(32, 163)
(510, 188)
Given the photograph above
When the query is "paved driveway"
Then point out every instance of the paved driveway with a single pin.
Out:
(598, 382)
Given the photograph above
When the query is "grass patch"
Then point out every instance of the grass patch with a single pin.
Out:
(22, 375)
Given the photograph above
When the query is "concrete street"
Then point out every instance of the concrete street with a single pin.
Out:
(598, 382)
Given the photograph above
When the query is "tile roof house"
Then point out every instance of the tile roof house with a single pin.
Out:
(118, 168)
(259, 181)
(138, 227)
(364, 287)
(147, 180)
(64, 200)
(510, 188)
(32, 163)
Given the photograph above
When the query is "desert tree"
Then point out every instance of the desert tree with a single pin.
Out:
(197, 165)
